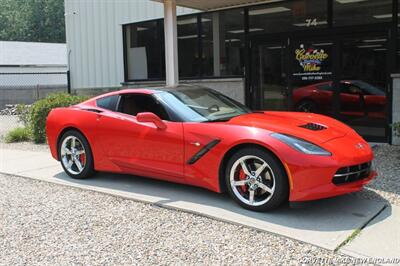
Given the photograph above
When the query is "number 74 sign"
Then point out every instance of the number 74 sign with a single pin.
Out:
(311, 22)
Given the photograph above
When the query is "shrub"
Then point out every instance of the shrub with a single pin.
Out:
(41, 109)
(24, 111)
(17, 134)
(396, 127)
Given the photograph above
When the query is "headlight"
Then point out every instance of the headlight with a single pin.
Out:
(301, 145)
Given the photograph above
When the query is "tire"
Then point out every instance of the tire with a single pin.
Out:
(270, 188)
(307, 106)
(77, 161)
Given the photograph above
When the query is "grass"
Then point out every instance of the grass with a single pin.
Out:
(17, 135)
(349, 239)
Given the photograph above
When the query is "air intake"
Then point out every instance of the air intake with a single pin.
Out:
(314, 127)
(352, 173)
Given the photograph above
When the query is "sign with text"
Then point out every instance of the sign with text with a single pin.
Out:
(312, 63)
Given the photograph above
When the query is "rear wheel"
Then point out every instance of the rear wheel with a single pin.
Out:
(256, 180)
(75, 155)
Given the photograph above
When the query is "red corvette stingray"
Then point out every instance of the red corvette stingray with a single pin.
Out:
(197, 136)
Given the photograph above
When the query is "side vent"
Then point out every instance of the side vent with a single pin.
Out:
(313, 126)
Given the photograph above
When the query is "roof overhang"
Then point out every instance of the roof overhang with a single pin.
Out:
(209, 5)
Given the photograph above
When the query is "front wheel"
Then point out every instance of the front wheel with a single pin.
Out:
(256, 180)
(75, 155)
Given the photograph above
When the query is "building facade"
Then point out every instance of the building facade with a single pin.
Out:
(333, 57)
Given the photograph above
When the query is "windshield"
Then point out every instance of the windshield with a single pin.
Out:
(197, 104)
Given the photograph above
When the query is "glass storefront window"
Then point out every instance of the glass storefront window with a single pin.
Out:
(357, 12)
(223, 41)
(363, 101)
(144, 56)
(188, 50)
(284, 16)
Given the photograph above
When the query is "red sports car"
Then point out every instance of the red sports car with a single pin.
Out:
(357, 98)
(197, 136)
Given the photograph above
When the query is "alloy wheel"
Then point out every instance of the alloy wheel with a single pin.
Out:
(73, 155)
(252, 180)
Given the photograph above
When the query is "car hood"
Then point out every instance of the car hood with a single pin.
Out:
(312, 127)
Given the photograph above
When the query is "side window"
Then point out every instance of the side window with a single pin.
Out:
(109, 102)
(132, 104)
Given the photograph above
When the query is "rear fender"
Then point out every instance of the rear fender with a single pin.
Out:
(61, 120)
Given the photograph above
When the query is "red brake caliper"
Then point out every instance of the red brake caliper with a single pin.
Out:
(242, 176)
(82, 158)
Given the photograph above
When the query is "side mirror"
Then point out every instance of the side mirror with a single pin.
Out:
(148, 117)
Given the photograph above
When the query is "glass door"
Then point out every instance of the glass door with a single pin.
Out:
(269, 76)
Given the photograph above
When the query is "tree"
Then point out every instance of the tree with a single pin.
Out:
(32, 20)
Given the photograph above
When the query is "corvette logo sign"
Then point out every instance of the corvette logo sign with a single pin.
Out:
(311, 59)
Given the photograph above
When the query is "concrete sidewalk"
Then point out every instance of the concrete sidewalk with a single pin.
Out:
(325, 223)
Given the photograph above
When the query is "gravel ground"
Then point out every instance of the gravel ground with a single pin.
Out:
(386, 187)
(49, 224)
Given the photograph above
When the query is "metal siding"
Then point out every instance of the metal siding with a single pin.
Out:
(94, 37)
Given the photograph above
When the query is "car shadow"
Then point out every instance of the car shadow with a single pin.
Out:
(341, 213)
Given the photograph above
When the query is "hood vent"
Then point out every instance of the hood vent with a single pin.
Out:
(313, 126)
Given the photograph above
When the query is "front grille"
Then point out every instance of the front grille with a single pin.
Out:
(352, 173)
(313, 126)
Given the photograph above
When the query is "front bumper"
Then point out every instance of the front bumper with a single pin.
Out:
(331, 190)
(312, 177)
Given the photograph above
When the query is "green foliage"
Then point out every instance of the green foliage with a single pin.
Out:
(396, 127)
(32, 20)
(17, 135)
(42, 108)
(24, 112)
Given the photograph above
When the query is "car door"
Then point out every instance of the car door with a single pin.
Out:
(141, 148)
